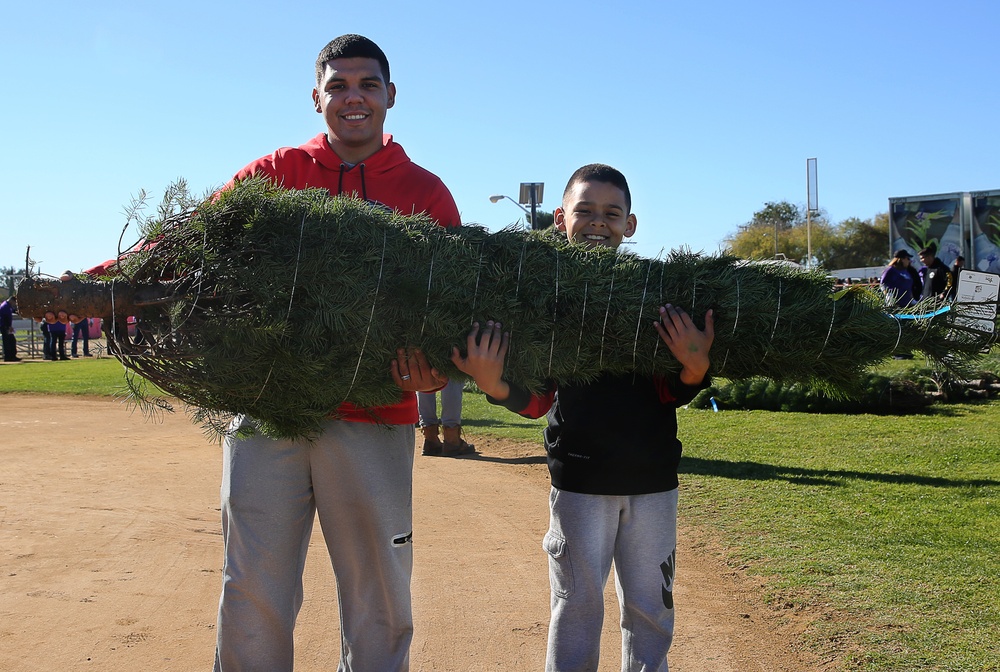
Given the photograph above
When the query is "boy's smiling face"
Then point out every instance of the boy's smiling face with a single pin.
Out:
(595, 213)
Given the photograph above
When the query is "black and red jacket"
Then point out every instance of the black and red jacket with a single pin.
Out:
(614, 436)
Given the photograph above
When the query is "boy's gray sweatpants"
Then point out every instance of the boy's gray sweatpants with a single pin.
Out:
(587, 532)
(359, 478)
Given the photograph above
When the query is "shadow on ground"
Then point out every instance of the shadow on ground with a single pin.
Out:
(757, 471)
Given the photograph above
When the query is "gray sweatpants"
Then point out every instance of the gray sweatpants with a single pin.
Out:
(587, 532)
(359, 478)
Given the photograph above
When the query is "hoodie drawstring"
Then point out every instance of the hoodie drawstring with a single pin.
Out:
(340, 180)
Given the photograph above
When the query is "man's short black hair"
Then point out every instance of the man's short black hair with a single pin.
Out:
(351, 46)
(599, 172)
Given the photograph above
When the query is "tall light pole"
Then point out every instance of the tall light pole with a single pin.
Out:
(812, 206)
(531, 194)
(496, 198)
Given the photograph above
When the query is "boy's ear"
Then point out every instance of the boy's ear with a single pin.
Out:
(391, 91)
(559, 219)
(630, 225)
(316, 105)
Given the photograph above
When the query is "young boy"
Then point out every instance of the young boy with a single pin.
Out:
(612, 453)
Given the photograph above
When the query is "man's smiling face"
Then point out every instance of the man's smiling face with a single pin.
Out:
(595, 213)
(353, 98)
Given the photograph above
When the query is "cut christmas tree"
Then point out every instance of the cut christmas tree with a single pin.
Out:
(284, 304)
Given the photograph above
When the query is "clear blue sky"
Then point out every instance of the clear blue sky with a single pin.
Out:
(709, 108)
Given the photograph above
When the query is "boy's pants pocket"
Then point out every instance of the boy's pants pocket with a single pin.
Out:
(560, 566)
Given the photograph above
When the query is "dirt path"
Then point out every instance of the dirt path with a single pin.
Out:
(110, 547)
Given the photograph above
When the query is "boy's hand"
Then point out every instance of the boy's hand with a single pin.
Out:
(484, 362)
(413, 373)
(688, 343)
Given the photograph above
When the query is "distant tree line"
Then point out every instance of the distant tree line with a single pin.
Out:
(852, 243)
(779, 228)
(10, 274)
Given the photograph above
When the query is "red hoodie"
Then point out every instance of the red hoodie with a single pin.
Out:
(387, 177)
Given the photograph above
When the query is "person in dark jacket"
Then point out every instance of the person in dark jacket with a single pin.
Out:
(934, 275)
(956, 268)
(81, 329)
(613, 453)
(7, 310)
(48, 340)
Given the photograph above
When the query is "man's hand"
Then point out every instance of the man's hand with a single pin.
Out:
(688, 343)
(412, 373)
(484, 362)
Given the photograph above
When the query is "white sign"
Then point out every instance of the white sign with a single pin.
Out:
(976, 300)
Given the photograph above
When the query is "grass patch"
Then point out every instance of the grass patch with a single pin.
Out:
(101, 376)
(478, 415)
(892, 523)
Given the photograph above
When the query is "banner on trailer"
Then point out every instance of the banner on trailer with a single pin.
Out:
(917, 222)
(986, 231)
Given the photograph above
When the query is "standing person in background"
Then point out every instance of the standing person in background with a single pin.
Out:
(451, 417)
(7, 310)
(956, 268)
(897, 281)
(918, 284)
(47, 339)
(612, 452)
(59, 336)
(81, 328)
(934, 275)
(358, 473)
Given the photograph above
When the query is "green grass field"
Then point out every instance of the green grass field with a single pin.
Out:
(889, 527)
(889, 523)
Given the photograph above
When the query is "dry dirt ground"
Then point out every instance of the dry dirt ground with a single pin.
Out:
(111, 553)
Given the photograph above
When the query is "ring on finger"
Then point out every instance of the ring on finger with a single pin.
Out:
(406, 377)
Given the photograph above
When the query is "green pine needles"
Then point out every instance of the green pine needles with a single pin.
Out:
(288, 303)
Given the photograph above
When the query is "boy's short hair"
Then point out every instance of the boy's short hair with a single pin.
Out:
(351, 46)
(599, 172)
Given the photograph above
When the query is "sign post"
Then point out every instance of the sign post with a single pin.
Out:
(976, 300)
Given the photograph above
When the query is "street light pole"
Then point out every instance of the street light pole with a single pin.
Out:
(812, 206)
(531, 194)
(534, 205)
(496, 198)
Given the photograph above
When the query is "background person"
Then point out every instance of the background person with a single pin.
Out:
(934, 275)
(7, 310)
(58, 331)
(897, 281)
(81, 329)
(451, 419)
(48, 340)
(956, 268)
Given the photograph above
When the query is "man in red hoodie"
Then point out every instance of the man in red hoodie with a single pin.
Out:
(358, 474)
